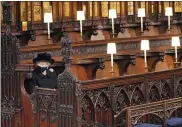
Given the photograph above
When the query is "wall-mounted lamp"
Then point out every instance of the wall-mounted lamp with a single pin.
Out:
(80, 16)
(169, 12)
(145, 47)
(48, 19)
(111, 49)
(112, 15)
(176, 43)
(141, 13)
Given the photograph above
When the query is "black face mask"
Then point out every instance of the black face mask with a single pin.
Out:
(43, 69)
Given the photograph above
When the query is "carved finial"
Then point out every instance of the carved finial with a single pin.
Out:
(7, 12)
(66, 50)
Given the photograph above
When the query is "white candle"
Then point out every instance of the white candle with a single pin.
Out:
(113, 25)
(48, 30)
(141, 24)
(176, 54)
(145, 57)
(112, 60)
(81, 27)
(169, 23)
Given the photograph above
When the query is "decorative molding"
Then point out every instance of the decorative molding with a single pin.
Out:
(7, 108)
(66, 50)
(7, 12)
(66, 109)
(130, 91)
(78, 50)
(44, 101)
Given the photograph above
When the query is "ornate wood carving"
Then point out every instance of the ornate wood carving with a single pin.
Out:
(132, 91)
(7, 12)
(67, 88)
(11, 101)
(8, 107)
(46, 102)
(92, 48)
(163, 109)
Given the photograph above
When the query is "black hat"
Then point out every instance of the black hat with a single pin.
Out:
(43, 57)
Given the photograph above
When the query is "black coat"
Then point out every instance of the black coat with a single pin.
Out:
(45, 81)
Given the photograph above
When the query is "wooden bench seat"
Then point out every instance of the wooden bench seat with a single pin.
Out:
(163, 109)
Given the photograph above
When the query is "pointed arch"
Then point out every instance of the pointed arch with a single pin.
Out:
(154, 94)
(87, 108)
(103, 110)
(179, 89)
(137, 97)
(166, 92)
(102, 99)
(122, 100)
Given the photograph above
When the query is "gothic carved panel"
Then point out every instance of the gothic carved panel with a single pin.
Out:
(10, 99)
(46, 102)
(122, 100)
(137, 97)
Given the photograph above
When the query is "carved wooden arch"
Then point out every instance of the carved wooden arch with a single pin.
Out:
(131, 62)
(87, 102)
(177, 84)
(98, 65)
(172, 111)
(165, 84)
(135, 96)
(103, 110)
(157, 84)
(118, 97)
(154, 94)
(161, 58)
(120, 116)
(136, 119)
(150, 85)
(102, 94)
(179, 89)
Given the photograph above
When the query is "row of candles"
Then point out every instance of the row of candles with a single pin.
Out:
(111, 49)
(112, 14)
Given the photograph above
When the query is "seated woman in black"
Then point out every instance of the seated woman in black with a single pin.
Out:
(43, 75)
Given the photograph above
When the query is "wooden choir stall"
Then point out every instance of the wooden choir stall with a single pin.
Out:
(93, 89)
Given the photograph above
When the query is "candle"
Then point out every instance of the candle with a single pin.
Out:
(176, 54)
(175, 43)
(81, 27)
(111, 49)
(113, 25)
(80, 16)
(169, 26)
(141, 13)
(48, 30)
(141, 24)
(168, 12)
(145, 47)
(48, 19)
(112, 15)
(145, 57)
(112, 60)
